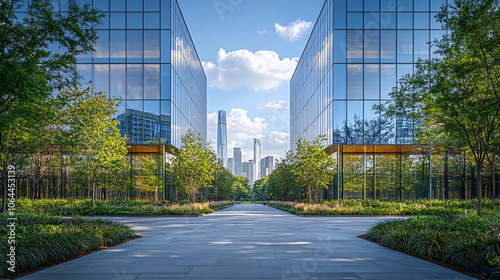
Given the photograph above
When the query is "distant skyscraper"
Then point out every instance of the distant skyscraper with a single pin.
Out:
(251, 173)
(230, 165)
(245, 167)
(256, 158)
(266, 166)
(222, 137)
(237, 162)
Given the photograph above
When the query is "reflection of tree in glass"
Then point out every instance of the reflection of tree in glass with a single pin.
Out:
(379, 130)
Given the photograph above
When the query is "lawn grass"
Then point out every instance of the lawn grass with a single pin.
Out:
(383, 207)
(115, 208)
(43, 240)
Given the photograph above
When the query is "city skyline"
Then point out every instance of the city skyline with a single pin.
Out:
(249, 64)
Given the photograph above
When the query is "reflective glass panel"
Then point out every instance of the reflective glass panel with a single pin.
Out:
(117, 5)
(134, 5)
(355, 81)
(436, 5)
(151, 20)
(421, 44)
(339, 119)
(355, 126)
(421, 20)
(151, 81)
(151, 121)
(388, 44)
(339, 19)
(371, 83)
(135, 122)
(85, 70)
(117, 20)
(340, 46)
(165, 81)
(421, 5)
(165, 46)
(165, 108)
(151, 46)
(117, 42)
(372, 20)
(372, 46)
(405, 46)
(388, 79)
(101, 53)
(152, 5)
(372, 5)
(101, 78)
(117, 81)
(404, 69)
(405, 20)
(134, 46)
(355, 5)
(134, 81)
(134, 21)
(388, 5)
(388, 20)
(339, 81)
(165, 15)
(372, 123)
(405, 5)
(355, 21)
(102, 5)
(435, 24)
(105, 22)
(354, 46)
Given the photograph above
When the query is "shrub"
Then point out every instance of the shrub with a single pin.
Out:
(44, 240)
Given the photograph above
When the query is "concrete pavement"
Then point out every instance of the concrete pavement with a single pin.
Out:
(248, 241)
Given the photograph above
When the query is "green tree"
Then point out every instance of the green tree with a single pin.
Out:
(458, 95)
(241, 188)
(313, 166)
(194, 164)
(30, 68)
(98, 147)
(260, 188)
(222, 183)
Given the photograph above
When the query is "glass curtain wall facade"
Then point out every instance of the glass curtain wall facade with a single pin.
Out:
(222, 137)
(356, 53)
(145, 56)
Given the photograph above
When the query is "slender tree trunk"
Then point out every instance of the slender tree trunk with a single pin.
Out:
(493, 186)
(4, 188)
(479, 202)
(472, 192)
(93, 191)
(309, 193)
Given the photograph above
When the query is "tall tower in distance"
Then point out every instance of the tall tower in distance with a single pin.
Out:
(256, 158)
(222, 137)
(237, 162)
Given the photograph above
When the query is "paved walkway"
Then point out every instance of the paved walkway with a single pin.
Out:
(248, 241)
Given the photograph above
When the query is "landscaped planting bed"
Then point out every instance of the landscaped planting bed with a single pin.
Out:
(382, 207)
(455, 240)
(115, 208)
(42, 240)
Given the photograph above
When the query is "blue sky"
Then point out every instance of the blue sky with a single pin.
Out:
(249, 49)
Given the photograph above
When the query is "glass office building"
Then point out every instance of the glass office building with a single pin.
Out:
(145, 56)
(357, 52)
(222, 137)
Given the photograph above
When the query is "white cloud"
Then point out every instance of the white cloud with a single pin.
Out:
(262, 70)
(276, 107)
(294, 31)
(262, 32)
